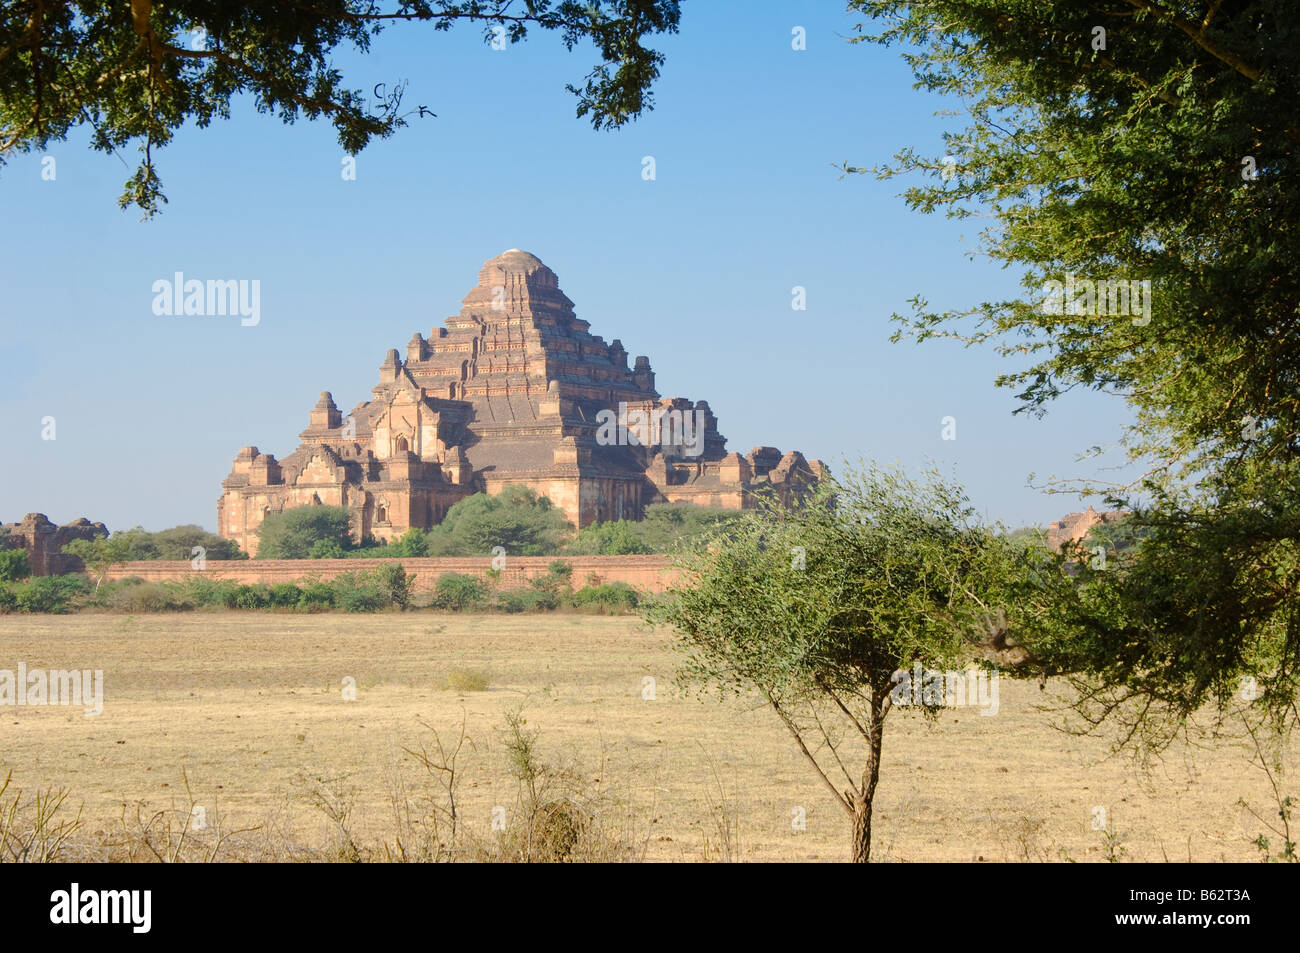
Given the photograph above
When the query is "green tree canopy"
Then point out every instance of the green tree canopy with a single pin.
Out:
(1153, 143)
(816, 609)
(136, 72)
(178, 542)
(516, 519)
(615, 538)
(14, 565)
(293, 533)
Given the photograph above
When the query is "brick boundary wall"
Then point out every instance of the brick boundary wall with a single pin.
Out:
(650, 573)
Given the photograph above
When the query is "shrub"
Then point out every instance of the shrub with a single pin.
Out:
(617, 538)
(512, 600)
(293, 533)
(360, 592)
(467, 680)
(316, 596)
(327, 549)
(8, 603)
(14, 565)
(526, 600)
(48, 593)
(457, 592)
(252, 597)
(608, 599)
(515, 518)
(394, 582)
(204, 591)
(412, 543)
(285, 595)
(142, 596)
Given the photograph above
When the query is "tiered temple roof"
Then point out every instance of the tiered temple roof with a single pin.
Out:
(512, 389)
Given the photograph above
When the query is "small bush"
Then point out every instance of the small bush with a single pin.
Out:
(326, 549)
(394, 582)
(608, 599)
(14, 565)
(145, 597)
(316, 597)
(48, 593)
(285, 595)
(252, 597)
(8, 602)
(359, 592)
(457, 592)
(204, 591)
(512, 600)
(526, 600)
(467, 680)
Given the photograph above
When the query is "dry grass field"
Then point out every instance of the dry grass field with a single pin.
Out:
(250, 707)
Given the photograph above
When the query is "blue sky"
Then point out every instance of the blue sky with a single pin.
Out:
(694, 269)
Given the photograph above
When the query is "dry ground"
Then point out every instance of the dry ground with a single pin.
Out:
(250, 703)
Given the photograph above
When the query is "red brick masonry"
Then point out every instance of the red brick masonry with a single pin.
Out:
(651, 573)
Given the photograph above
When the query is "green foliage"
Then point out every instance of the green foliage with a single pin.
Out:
(135, 595)
(8, 601)
(413, 544)
(358, 592)
(619, 538)
(1205, 598)
(101, 552)
(54, 594)
(176, 543)
(285, 595)
(1127, 164)
(203, 590)
(458, 592)
(524, 600)
(814, 609)
(329, 549)
(293, 533)
(671, 526)
(316, 597)
(252, 597)
(135, 74)
(665, 528)
(516, 518)
(1168, 157)
(382, 588)
(14, 565)
(614, 598)
(396, 584)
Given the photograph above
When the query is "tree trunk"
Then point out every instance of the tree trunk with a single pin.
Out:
(861, 831)
(862, 803)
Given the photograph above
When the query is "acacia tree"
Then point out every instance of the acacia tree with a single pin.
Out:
(137, 71)
(815, 610)
(1141, 141)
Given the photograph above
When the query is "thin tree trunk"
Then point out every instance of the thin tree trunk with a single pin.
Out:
(863, 802)
(862, 831)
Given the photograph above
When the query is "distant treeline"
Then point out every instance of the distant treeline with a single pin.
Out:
(517, 520)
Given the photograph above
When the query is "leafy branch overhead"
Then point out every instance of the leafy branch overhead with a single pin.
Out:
(1147, 143)
(1150, 140)
(136, 72)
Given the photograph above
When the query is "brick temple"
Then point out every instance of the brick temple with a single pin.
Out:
(513, 389)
